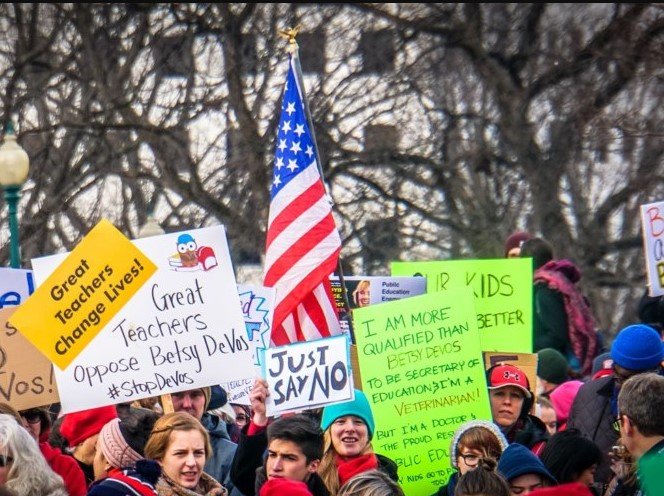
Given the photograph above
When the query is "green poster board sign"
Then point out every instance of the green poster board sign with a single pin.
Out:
(423, 374)
(503, 290)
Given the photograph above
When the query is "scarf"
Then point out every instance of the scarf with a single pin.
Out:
(561, 276)
(356, 465)
(206, 486)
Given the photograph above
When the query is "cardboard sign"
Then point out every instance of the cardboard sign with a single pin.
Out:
(15, 286)
(181, 330)
(26, 375)
(525, 361)
(652, 225)
(257, 310)
(503, 290)
(423, 374)
(88, 288)
(308, 374)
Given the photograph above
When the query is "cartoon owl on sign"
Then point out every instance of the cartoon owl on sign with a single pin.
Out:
(187, 249)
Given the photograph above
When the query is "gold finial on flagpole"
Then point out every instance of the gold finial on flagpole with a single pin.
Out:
(291, 34)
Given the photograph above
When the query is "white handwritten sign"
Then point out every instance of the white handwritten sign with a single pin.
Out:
(257, 309)
(652, 224)
(183, 329)
(308, 374)
(15, 286)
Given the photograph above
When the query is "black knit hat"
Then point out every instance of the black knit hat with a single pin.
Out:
(551, 366)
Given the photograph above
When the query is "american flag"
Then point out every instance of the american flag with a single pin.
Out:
(303, 243)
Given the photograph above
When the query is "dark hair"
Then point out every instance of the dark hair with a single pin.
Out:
(539, 249)
(136, 427)
(641, 398)
(482, 480)
(301, 430)
(56, 439)
(568, 453)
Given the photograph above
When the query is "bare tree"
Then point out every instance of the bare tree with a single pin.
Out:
(441, 127)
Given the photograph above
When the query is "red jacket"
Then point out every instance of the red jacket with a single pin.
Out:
(67, 468)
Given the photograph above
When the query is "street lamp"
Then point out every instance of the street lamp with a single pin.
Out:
(14, 166)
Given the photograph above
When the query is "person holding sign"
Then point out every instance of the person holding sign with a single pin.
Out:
(511, 400)
(473, 441)
(181, 445)
(294, 449)
(349, 428)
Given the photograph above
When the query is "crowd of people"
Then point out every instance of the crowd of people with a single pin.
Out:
(581, 429)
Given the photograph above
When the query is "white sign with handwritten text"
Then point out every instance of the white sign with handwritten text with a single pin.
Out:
(183, 329)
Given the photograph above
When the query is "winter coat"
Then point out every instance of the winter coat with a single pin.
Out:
(140, 481)
(592, 414)
(67, 468)
(219, 463)
(561, 276)
(529, 431)
(248, 473)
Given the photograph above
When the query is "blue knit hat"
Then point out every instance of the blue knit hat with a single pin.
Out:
(637, 347)
(359, 407)
(518, 460)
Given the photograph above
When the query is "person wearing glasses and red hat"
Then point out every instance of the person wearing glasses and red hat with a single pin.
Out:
(511, 399)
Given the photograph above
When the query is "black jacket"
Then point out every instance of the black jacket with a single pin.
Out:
(248, 469)
(591, 414)
(528, 431)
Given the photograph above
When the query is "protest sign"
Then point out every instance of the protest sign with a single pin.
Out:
(369, 290)
(308, 374)
(257, 304)
(423, 374)
(89, 286)
(652, 225)
(503, 290)
(26, 375)
(176, 333)
(15, 286)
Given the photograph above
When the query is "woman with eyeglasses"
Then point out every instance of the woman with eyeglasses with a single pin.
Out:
(23, 469)
(472, 441)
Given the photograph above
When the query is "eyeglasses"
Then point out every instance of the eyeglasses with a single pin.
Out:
(31, 416)
(621, 377)
(470, 459)
(5, 460)
(616, 423)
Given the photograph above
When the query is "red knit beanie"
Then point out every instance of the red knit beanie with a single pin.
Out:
(571, 489)
(516, 240)
(78, 426)
(282, 487)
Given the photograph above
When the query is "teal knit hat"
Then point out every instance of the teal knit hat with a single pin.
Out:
(359, 407)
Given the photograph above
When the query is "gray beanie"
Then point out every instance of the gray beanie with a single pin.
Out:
(465, 427)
